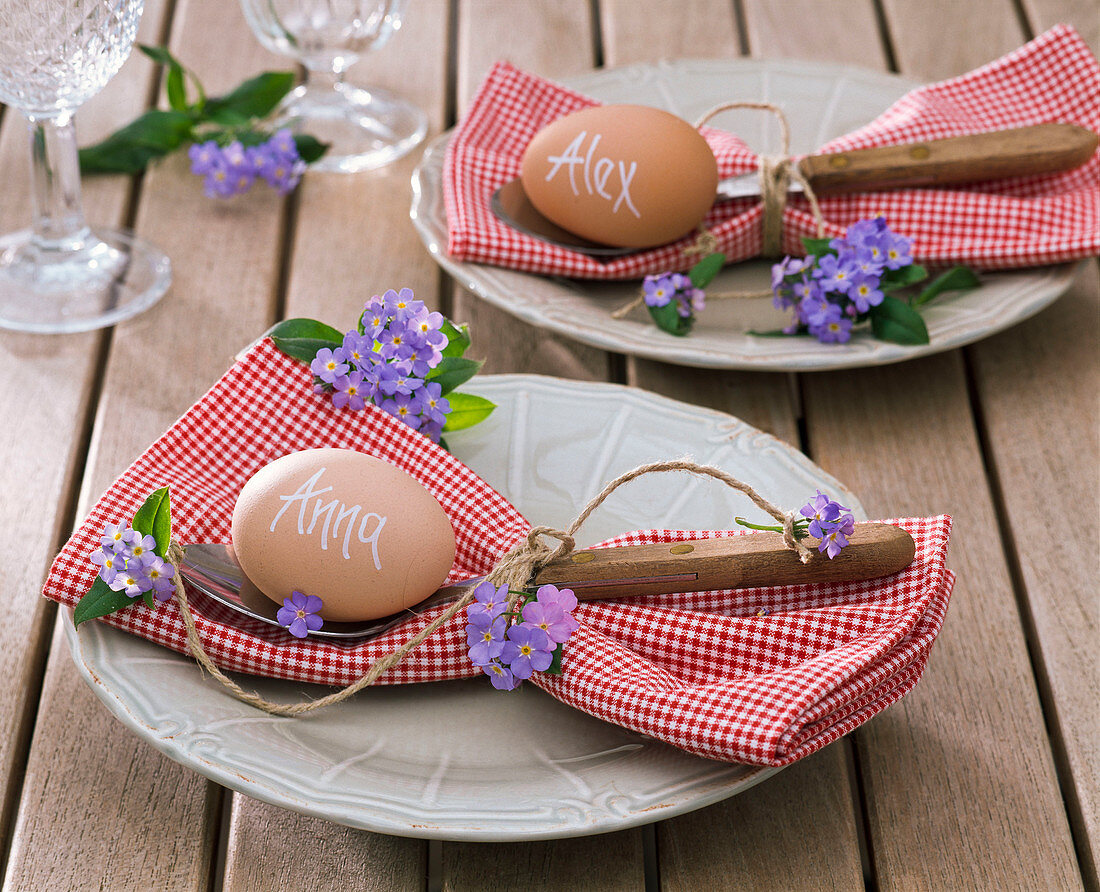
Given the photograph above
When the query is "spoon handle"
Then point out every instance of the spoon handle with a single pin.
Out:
(759, 559)
(1021, 151)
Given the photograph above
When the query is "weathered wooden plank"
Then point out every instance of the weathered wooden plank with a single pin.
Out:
(833, 31)
(611, 861)
(553, 40)
(47, 384)
(1037, 385)
(777, 835)
(959, 776)
(352, 239)
(941, 38)
(685, 30)
(225, 260)
(972, 731)
(1082, 14)
(266, 843)
(794, 831)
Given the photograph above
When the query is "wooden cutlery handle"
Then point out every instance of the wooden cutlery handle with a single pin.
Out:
(1021, 151)
(750, 561)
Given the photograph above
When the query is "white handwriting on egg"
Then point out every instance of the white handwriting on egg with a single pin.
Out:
(595, 175)
(333, 513)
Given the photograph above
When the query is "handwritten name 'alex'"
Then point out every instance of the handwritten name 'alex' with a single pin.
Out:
(596, 176)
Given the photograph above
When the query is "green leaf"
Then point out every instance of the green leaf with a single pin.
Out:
(957, 279)
(228, 118)
(778, 333)
(304, 328)
(175, 81)
(454, 371)
(304, 349)
(555, 662)
(130, 149)
(177, 94)
(159, 54)
(467, 410)
(894, 320)
(255, 98)
(668, 318)
(302, 338)
(154, 518)
(818, 246)
(100, 600)
(310, 148)
(900, 278)
(458, 338)
(706, 269)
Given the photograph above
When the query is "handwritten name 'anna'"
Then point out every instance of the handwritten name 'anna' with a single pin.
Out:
(331, 515)
(596, 175)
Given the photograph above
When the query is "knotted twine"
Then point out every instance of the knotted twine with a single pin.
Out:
(776, 173)
(516, 568)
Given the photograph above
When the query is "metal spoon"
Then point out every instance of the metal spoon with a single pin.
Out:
(754, 560)
(1020, 151)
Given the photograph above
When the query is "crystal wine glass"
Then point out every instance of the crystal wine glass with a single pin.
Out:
(365, 128)
(61, 275)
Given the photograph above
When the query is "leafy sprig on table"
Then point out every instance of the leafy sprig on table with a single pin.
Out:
(868, 276)
(195, 117)
(673, 299)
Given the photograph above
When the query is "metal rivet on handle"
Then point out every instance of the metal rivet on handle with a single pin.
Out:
(919, 153)
(582, 557)
(683, 548)
(839, 161)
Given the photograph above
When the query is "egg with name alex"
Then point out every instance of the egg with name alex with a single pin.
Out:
(624, 175)
(359, 533)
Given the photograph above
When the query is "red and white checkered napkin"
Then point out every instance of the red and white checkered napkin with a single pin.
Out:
(700, 671)
(1025, 221)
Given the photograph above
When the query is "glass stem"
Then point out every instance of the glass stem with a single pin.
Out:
(324, 79)
(59, 223)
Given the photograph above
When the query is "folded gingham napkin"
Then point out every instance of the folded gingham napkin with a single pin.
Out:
(1025, 221)
(701, 671)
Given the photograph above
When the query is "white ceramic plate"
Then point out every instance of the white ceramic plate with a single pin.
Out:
(821, 102)
(458, 760)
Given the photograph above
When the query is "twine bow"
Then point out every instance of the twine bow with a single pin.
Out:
(776, 173)
(516, 568)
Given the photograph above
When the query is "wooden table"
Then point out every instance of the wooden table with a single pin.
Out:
(984, 777)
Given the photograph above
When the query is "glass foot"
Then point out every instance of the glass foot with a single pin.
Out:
(366, 128)
(100, 279)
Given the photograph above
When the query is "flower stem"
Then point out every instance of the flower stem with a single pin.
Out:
(755, 526)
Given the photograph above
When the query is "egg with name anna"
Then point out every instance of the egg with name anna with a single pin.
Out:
(362, 535)
(625, 175)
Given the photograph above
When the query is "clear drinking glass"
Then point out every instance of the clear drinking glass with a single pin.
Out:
(366, 127)
(61, 275)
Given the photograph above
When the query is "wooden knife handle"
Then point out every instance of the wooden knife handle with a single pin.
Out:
(1022, 151)
(751, 561)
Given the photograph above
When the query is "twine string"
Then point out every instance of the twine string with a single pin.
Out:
(516, 568)
(776, 173)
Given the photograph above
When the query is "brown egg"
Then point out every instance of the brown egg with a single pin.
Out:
(357, 532)
(623, 175)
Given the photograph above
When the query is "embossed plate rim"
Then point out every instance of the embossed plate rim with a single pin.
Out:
(581, 309)
(629, 781)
